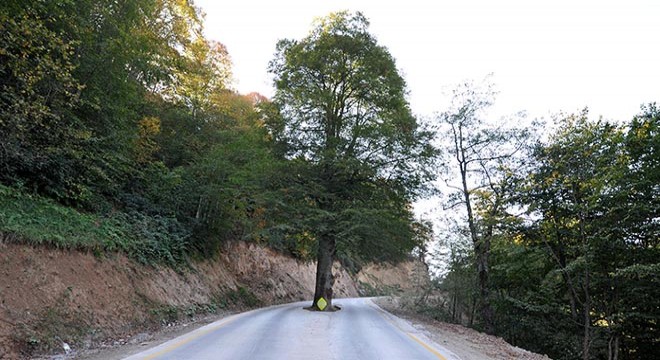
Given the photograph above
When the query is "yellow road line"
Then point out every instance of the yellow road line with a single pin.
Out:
(432, 350)
(188, 339)
(201, 333)
(385, 316)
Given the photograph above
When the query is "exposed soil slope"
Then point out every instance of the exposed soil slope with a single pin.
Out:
(48, 297)
(378, 279)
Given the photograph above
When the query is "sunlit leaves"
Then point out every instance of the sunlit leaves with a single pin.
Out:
(340, 111)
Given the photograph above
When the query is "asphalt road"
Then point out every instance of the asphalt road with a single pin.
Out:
(361, 330)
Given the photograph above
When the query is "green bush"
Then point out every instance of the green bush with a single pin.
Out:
(35, 220)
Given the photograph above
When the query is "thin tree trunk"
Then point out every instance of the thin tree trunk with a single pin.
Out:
(324, 278)
(485, 310)
(198, 214)
(481, 249)
(453, 306)
(560, 257)
(586, 341)
(616, 348)
(473, 309)
(612, 347)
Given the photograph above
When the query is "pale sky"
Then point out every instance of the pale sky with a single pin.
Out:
(546, 56)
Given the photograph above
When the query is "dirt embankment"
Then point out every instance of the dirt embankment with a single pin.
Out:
(385, 279)
(51, 297)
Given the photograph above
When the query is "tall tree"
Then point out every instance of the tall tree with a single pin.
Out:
(577, 277)
(38, 94)
(593, 195)
(574, 174)
(479, 156)
(345, 114)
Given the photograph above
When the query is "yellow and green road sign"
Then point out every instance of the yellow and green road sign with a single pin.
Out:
(321, 303)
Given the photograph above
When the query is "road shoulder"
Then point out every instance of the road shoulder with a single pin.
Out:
(466, 343)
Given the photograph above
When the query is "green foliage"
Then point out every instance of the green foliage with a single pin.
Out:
(118, 133)
(584, 264)
(343, 102)
(68, 127)
(227, 188)
(38, 93)
(242, 297)
(358, 155)
(39, 221)
(169, 314)
(121, 110)
(480, 159)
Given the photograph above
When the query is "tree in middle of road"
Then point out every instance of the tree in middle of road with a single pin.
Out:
(344, 115)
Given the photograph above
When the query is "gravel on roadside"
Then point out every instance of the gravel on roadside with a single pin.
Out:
(467, 343)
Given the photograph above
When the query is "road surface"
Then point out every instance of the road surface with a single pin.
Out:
(360, 331)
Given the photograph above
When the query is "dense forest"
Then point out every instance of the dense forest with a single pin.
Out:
(120, 116)
(120, 131)
(558, 242)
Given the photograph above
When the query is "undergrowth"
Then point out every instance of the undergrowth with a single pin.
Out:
(35, 220)
(240, 298)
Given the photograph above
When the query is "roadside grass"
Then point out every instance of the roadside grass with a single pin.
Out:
(34, 220)
(231, 300)
(38, 221)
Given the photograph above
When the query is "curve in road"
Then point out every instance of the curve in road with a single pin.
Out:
(361, 330)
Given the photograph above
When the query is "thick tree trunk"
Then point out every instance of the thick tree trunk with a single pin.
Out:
(324, 278)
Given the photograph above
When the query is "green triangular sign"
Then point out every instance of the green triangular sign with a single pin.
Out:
(321, 303)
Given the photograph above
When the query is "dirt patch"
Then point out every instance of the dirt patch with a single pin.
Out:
(386, 279)
(116, 349)
(467, 343)
(278, 278)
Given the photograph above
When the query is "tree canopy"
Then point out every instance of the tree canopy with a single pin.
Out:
(344, 115)
(574, 273)
(125, 111)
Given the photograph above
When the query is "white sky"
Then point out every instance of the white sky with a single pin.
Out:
(546, 56)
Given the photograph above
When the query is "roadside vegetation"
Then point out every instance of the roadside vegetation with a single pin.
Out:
(120, 132)
(555, 244)
(39, 221)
